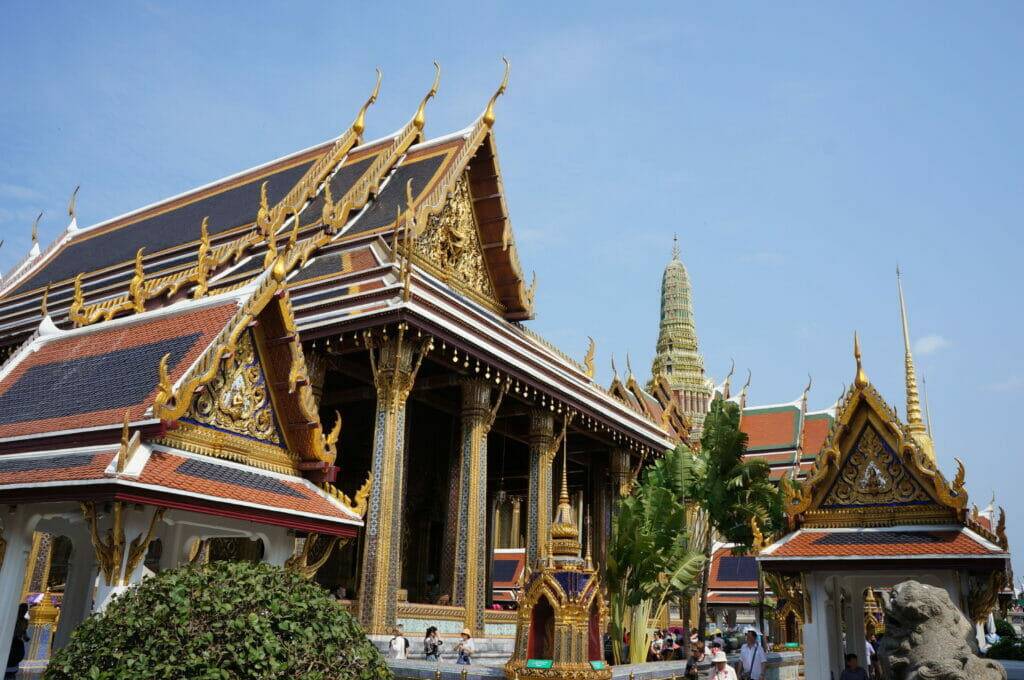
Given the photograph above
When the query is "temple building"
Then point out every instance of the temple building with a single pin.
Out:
(322, 362)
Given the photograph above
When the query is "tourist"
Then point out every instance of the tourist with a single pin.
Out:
(853, 671)
(723, 671)
(753, 659)
(398, 647)
(869, 656)
(465, 648)
(654, 653)
(698, 666)
(718, 640)
(432, 644)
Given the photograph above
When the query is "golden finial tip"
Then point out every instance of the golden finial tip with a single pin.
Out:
(360, 124)
(35, 228)
(420, 119)
(489, 111)
(71, 205)
(861, 381)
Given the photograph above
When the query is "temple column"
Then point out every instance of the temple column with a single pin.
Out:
(394, 361)
(514, 535)
(541, 440)
(17, 540)
(77, 602)
(619, 471)
(470, 573)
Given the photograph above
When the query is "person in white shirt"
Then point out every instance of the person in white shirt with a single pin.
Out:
(398, 647)
(753, 658)
(723, 671)
(465, 648)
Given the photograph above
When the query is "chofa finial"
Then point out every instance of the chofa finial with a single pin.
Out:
(35, 229)
(420, 119)
(861, 381)
(489, 111)
(360, 124)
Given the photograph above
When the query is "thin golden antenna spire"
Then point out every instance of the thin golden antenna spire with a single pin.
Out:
(913, 401)
(35, 229)
(71, 205)
(927, 410)
(675, 246)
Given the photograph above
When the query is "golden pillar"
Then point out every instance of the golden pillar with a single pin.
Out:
(394, 361)
(514, 534)
(541, 440)
(621, 475)
(470, 573)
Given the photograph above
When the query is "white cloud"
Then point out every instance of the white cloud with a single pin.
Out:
(930, 344)
(19, 193)
(1010, 384)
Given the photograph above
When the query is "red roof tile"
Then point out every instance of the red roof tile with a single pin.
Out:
(164, 469)
(55, 468)
(889, 542)
(82, 405)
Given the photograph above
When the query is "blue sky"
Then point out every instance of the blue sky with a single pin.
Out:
(800, 150)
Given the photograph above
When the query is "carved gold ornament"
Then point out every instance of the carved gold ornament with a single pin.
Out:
(236, 399)
(302, 560)
(872, 475)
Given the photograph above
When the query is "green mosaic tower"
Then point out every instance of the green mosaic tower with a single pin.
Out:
(677, 356)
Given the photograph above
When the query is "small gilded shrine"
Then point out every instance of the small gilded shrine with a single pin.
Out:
(562, 613)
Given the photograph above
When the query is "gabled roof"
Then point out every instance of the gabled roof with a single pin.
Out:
(872, 473)
(88, 377)
(157, 475)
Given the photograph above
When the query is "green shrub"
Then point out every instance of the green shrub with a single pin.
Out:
(1007, 649)
(221, 621)
(1004, 629)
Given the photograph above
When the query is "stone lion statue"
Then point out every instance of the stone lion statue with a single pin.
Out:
(927, 638)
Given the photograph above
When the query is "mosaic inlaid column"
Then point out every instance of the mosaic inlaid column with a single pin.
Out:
(395, 361)
(619, 472)
(513, 531)
(538, 500)
(470, 573)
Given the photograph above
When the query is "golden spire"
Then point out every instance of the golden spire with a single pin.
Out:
(915, 424)
(489, 111)
(360, 123)
(861, 381)
(913, 402)
(565, 535)
(71, 205)
(927, 410)
(420, 119)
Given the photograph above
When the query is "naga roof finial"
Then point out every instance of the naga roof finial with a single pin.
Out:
(615, 371)
(73, 224)
(629, 366)
(861, 380)
(489, 111)
(588, 360)
(420, 119)
(360, 124)
(35, 229)
(728, 378)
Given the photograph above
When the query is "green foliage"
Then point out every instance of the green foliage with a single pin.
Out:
(1008, 649)
(1005, 629)
(730, 490)
(221, 621)
(650, 561)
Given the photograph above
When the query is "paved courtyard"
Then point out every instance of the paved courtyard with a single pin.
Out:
(1014, 669)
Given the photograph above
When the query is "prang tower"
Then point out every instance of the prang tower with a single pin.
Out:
(677, 357)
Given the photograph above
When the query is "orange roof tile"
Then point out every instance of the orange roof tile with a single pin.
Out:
(815, 433)
(774, 429)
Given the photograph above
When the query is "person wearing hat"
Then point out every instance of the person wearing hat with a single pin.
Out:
(465, 648)
(753, 659)
(723, 671)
